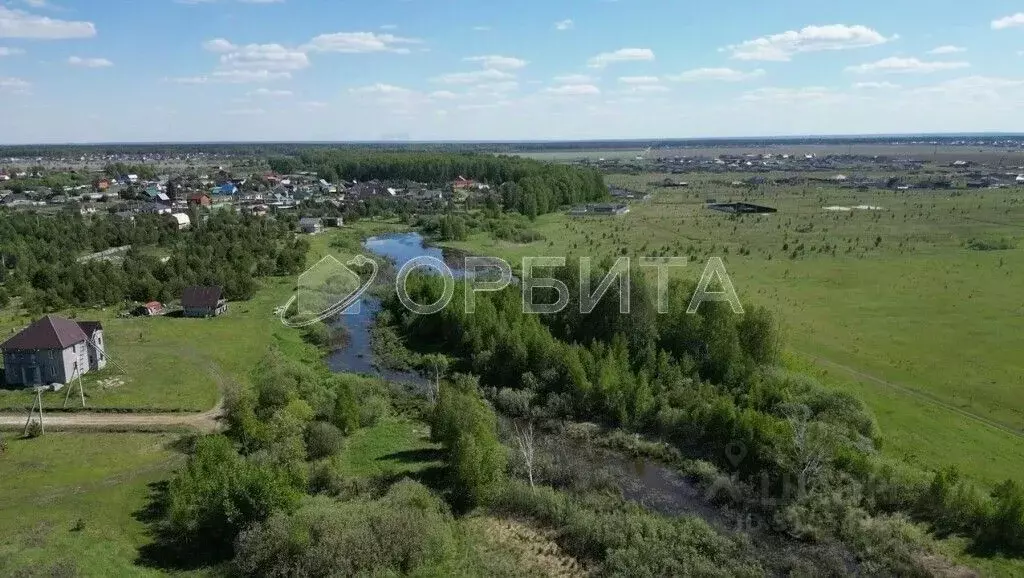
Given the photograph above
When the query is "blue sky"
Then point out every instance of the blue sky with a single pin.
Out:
(230, 70)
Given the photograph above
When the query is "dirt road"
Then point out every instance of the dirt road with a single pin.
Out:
(206, 421)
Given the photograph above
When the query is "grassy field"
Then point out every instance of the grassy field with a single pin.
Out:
(179, 364)
(891, 303)
(168, 363)
(69, 502)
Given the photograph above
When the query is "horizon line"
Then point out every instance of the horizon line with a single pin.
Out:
(527, 141)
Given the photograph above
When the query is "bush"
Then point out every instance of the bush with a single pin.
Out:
(323, 440)
(3, 445)
(374, 409)
(346, 410)
(218, 494)
(1003, 527)
(35, 429)
(397, 534)
(625, 538)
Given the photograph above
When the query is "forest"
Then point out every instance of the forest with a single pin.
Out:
(711, 386)
(42, 257)
(527, 186)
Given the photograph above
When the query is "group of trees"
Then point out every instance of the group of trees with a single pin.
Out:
(41, 257)
(707, 384)
(241, 491)
(529, 187)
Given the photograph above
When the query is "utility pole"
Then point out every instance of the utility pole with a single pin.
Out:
(38, 402)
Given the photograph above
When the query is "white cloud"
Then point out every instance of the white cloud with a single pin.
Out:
(715, 74)
(271, 57)
(575, 79)
(270, 93)
(566, 24)
(37, 3)
(896, 65)
(639, 79)
(481, 28)
(491, 88)
(21, 24)
(782, 47)
(573, 90)
(89, 62)
(443, 95)
(498, 62)
(245, 112)
(789, 95)
(475, 77)
(233, 77)
(875, 85)
(5, 51)
(380, 88)
(14, 85)
(647, 89)
(947, 49)
(360, 42)
(314, 104)
(621, 55)
(219, 45)
(1014, 21)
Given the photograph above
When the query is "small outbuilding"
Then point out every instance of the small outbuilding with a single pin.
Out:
(203, 302)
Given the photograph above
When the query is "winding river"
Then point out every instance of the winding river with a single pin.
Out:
(647, 482)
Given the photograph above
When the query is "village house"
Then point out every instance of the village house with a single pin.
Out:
(151, 309)
(182, 220)
(203, 302)
(199, 200)
(310, 225)
(53, 350)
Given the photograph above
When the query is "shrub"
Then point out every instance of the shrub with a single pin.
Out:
(1003, 527)
(396, 534)
(35, 429)
(374, 409)
(323, 440)
(219, 493)
(625, 538)
(346, 410)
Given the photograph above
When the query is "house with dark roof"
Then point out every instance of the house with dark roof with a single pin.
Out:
(53, 350)
(203, 302)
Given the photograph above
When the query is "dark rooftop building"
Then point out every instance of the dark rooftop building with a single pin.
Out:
(203, 302)
(53, 350)
(741, 208)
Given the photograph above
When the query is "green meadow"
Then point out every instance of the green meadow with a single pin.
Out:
(916, 305)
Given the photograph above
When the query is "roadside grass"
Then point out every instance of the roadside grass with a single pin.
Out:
(69, 502)
(902, 299)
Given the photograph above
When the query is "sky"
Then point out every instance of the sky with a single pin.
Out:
(427, 70)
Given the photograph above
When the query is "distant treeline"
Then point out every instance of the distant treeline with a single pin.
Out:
(527, 186)
(265, 149)
(40, 258)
